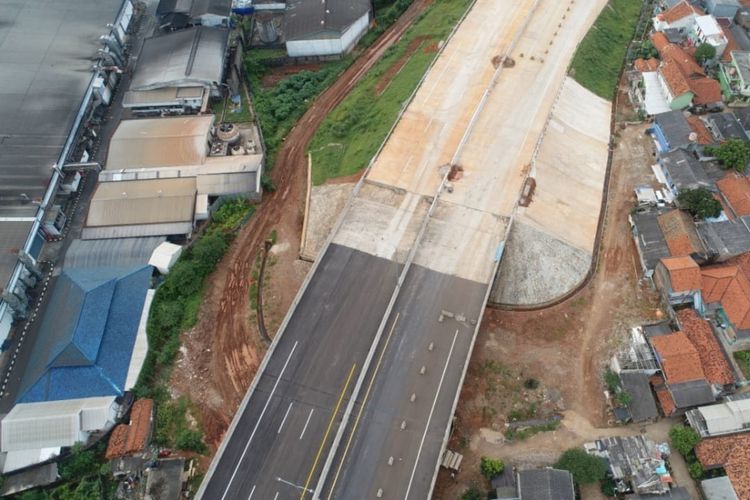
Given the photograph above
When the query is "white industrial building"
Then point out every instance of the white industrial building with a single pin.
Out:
(726, 418)
(316, 28)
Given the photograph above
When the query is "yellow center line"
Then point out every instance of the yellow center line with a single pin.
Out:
(361, 408)
(328, 431)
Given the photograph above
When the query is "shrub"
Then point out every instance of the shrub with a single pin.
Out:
(696, 470)
(733, 153)
(79, 464)
(683, 439)
(699, 202)
(191, 440)
(472, 493)
(584, 467)
(491, 467)
(531, 383)
(611, 380)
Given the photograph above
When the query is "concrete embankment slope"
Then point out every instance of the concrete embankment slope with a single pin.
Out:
(551, 245)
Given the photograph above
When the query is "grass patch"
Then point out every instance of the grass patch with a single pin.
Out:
(175, 309)
(521, 434)
(597, 62)
(240, 114)
(743, 359)
(352, 133)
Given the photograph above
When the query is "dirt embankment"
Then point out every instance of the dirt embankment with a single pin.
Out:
(222, 353)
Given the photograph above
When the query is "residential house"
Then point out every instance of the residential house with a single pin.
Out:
(714, 360)
(730, 417)
(649, 239)
(673, 131)
(725, 126)
(706, 30)
(682, 80)
(134, 436)
(680, 16)
(680, 234)
(683, 382)
(724, 240)
(634, 365)
(718, 488)
(683, 171)
(732, 453)
(679, 279)
(722, 9)
(540, 484)
(726, 293)
(735, 190)
(637, 464)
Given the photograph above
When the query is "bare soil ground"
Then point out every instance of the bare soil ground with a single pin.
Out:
(565, 347)
(222, 353)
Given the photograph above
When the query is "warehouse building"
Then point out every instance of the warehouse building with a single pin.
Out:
(317, 28)
(131, 209)
(178, 14)
(178, 71)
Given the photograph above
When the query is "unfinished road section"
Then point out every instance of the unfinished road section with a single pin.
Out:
(356, 395)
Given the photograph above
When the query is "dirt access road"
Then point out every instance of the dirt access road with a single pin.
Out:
(222, 353)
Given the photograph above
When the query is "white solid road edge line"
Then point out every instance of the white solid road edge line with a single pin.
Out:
(257, 423)
(285, 416)
(251, 493)
(432, 411)
(307, 422)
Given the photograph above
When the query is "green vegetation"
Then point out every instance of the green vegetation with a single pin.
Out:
(525, 413)
(531, 384)
(174, 310)
(352, 133)
(241, 114)
(86, 474)
(704, 52)
(743, 358)
(490, 467)
(683, 439)
(733, 153)
(609, 488)
(279, 107)
(699, 202)
(584, 467)
(472, 493)
(527, 432)
(620, 395)
(644, 50)
(597, 62)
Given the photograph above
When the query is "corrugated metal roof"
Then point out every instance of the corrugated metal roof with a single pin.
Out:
(54, 423)
(184, 58)
(124, 252)
(142, 202)
(221, 184)
(161, 97)
(307, 19)
(160, 142)
(86, 335)
(727, 417)
(137, 230)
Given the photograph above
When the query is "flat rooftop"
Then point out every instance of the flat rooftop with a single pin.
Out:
(46, 55)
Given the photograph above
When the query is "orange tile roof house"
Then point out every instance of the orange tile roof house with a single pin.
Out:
(728, 286)
(733, 454)
(127, 439)
(646, 65)
(679, 280)
(681, 15)
(713, 359)
(682, 78)
(680, 234)
(735, 188)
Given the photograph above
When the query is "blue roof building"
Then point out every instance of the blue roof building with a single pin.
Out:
(87, 335)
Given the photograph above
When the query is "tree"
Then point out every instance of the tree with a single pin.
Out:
(699, 202)
(696, 470)
(733, 153)
(491, 467)
(472, 493)
(584, 467)
(683, 439)
(705, 52)
(80, 463)
(191, 440)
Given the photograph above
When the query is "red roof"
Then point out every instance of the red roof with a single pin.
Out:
(736, 190)
(728, 285)
(683, 74)
(679, 11)
(646, 65)
(680, 233)
(700, 128)
(714, 362)
(128, 439)
(679, 359)
(684, 273)
(666, 401)
(733, 454)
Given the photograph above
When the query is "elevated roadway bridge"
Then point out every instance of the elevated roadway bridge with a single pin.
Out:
(356, 395)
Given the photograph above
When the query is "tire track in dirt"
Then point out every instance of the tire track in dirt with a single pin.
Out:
(223, 351)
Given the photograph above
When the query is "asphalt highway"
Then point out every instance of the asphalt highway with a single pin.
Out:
(284, 432)
(394, 440)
